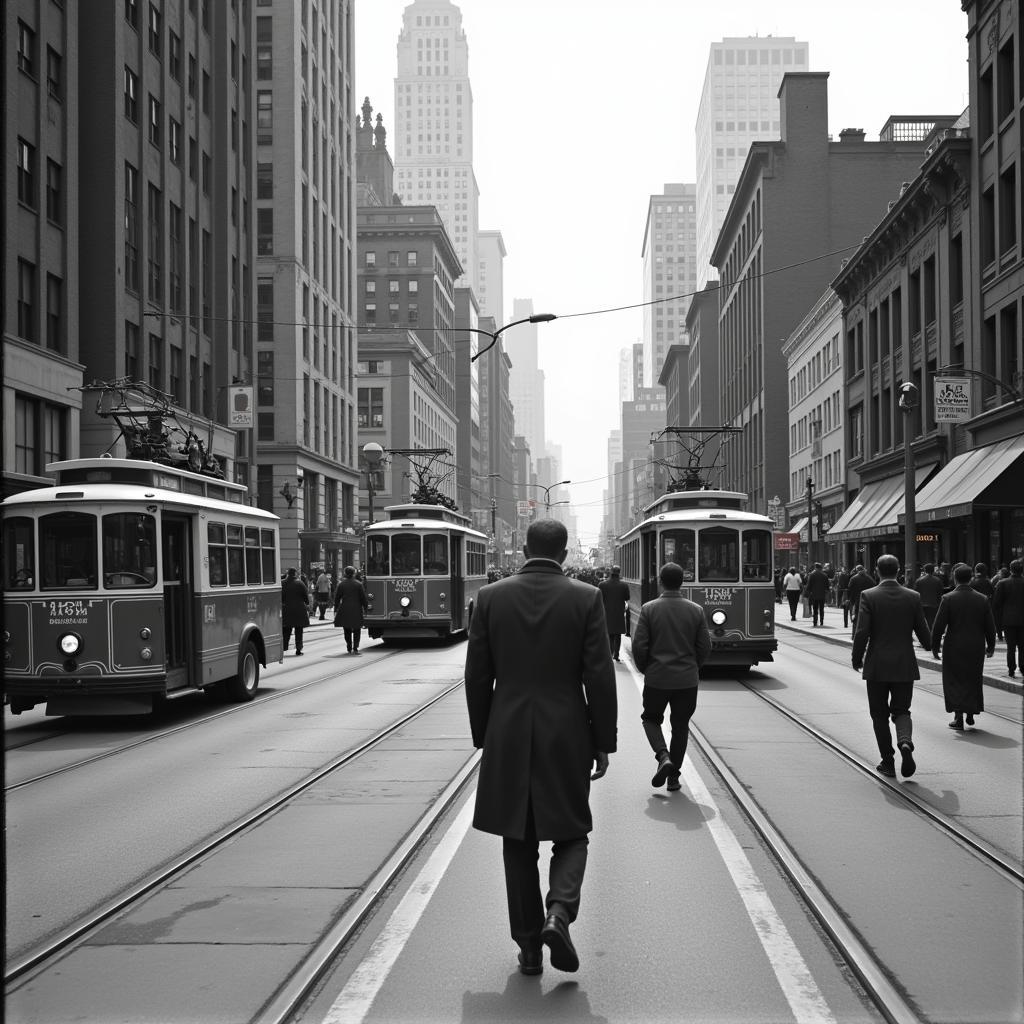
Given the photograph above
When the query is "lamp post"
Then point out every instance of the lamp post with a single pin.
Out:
(810, 523)
(909, 399)
(547, 493)
(537, 318)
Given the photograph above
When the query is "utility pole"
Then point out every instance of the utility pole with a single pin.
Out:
(810, 522)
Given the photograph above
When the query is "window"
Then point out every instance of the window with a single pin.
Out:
(54, 313)
(131, 98)
(410, 258)
(54, 193)
(264, 181)
(67, 550)
(370, 259)
(26, 300)
(129, 550)
(154, 30)
(435, 554)
(265, 377)
(218, 554)
(192, 72)
(154, 121)
(1008, 209)
(174, 56)
(757, 556)
(174, 141)
(131, 13)
(265, 426)
(393, 259)
(206, 93)
(156, 361)
(156, 245)
(678, 546)
(26, 49)
(131, 228)
(175, 223)
(405, 554)
(265, 232)
(131, 351)
(19, 553)
(264, 49)
(371, 407)
(175, 381)
(719, 555)
(54, 74)
(26, 173)
(378, 557)
(264, 117)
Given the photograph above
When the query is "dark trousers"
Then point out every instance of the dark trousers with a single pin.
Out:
(288, 637)
(683, 703)
(794, 602)
(352, 638)
(526, 908)
(817, 611)
(1014, 647)
(887, 700)
(615, 642)
(929, 615)
(322, 601)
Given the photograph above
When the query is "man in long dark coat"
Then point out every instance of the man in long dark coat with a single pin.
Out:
(615, 595)
(931, 589)
(1008, 609)
(817, 591)
(294, 609)
(540, 687)
(965, 617)
(349, 604)
(883, 645)
(860, 581)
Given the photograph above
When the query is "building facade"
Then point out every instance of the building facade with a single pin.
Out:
(799, 197)
(434, 124)
(739, 104)
(306, 344)
(490, 276)
(526, 382)
(669, 255)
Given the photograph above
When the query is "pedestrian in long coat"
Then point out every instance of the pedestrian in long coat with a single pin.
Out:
(349, 604)
(294, 609)
(816, 589)
(1008, 609)
(615, 595)
(965, 617)
(540, 690)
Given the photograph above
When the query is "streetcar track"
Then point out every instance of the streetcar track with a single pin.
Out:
(183, 727)
(38, 960)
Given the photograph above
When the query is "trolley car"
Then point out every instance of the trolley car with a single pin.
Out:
(726, 555)
(424, 567)
(128, 582)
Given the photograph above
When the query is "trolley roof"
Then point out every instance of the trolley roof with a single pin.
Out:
(418, 516)
(706, 507)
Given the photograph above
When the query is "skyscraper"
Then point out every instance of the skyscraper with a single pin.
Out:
(738, 105)
(526, 379)
(669, 259)
(434, 124)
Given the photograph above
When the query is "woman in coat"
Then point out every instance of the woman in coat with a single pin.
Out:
(349, 604)
(294, 609)
(965, 617)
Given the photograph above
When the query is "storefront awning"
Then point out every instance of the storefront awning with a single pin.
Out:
(800, 526)
(959, 484)
(875, 510)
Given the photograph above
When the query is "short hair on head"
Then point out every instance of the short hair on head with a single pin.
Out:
(888, 566)
(817, 565)
(858, 567)
(981, 569)
(1016, 567)
(671, 576)
(350, 571)
(962, 573)
(928, 568)
(546, 538)
(291, 572)
(616, 569)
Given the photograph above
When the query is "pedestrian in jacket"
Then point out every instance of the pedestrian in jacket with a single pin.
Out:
(540, 689)
(294, 609)
(860, 581)
(615, 595)
(817, 592)
(670, 644)
(792, 584)
(323, 593)
(931, 589)
(842, 593)
(1008, 609)
(349, 604)
(965, 618)
(981, 581)
(883, 646)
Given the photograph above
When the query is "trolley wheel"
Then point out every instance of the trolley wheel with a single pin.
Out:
(243, 686)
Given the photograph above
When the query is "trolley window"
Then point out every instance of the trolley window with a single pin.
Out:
(236, 556)
(218, 554)
(435, 554)
(268, 555)
(253, 568)
(476, 558)
(67, 546)
(129, 550)
(378, 559)
(678, 546)
(405, 554)
(757, 556)
(19, 553)
(719, 555)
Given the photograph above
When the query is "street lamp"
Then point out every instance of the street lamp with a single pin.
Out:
(909, 399)
(537, 318)
(547, 493)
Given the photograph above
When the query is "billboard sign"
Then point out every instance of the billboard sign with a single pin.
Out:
(787, 541)
(952, 399)
(240, 407)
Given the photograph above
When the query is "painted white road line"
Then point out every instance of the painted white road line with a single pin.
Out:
(791, 971)
(356, 998)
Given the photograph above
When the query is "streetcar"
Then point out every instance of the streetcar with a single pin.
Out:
(425, 565)
(129, 581)
(726, 555)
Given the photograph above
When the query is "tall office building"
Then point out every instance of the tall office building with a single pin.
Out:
(669, 266)
(490, 275)
(526, 379)
(434, 124)
(738, 105)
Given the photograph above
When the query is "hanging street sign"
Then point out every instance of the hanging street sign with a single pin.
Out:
(952, 399)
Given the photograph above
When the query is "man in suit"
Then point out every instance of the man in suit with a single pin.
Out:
(817, 592)
(670, 645)
(861, 581)
(931, 589)
(1008, 607)
(883, 646)
(540, 688)
(615, 595)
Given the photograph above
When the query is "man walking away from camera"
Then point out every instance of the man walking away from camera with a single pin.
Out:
(615, 595)
(1008, 608)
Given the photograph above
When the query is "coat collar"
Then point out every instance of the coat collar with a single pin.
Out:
(543, 565)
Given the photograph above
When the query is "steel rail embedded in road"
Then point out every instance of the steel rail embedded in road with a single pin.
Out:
(38, 959)
(160, 734)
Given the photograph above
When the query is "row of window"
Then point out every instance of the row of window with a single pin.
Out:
(241, 555)
(27, 61)
(53, 334)
(27, 175)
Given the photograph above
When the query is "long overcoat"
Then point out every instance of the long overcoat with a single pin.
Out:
(889, 617)
(540, 689)
(349, 603)
(615, 595)
(294, 604)
(965, 617)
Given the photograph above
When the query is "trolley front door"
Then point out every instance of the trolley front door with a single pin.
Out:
(178, 625)
(649, 567)
(458, 583)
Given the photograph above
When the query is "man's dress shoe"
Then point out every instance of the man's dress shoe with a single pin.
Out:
(666, 770)
(531, 961)
(555, 935)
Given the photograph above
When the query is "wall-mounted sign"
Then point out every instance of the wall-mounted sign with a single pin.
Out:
(952, 399)
(787, 542)
(240, 412)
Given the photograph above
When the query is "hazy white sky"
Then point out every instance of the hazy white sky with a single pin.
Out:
(584, 108)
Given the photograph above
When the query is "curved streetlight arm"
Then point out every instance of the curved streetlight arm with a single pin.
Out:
(537, 318)
(953, 370)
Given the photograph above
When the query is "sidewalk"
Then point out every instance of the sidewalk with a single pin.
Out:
(834, 632)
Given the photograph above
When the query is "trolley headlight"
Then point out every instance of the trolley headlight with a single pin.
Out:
(70, 644)
(145, 633)
(146, 654)
(405, 602)
(718, 617)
